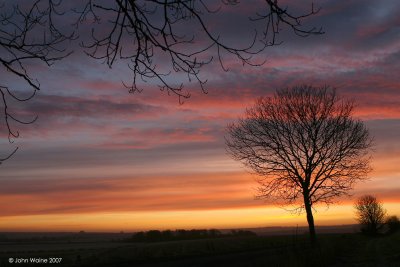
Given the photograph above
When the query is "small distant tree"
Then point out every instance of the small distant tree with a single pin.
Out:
(370, 214)
(393, 224)
(304, 144)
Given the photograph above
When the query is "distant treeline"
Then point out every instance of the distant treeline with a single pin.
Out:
(180, 234)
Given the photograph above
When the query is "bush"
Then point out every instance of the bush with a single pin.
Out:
(393, 224)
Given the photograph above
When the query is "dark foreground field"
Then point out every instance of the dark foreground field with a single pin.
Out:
(347, 249)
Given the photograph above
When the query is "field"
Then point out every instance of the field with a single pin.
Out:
(86, 249)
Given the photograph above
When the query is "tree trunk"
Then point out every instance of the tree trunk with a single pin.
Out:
(310, 220)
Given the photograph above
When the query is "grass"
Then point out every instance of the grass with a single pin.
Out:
(332, 250)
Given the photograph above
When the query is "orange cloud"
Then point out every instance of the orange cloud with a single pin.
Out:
(127, 194)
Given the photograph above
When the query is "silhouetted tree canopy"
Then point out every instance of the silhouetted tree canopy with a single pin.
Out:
(144, 34)
(305, 146)
(181, 234)
(370, 214)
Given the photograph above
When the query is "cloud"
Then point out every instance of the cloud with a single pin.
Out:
(158, 193)
(96, 148)
(102, 106)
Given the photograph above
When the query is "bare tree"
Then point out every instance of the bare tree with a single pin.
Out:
(160, 28)
(370, 214)
(145, 34)
(27, 35)
(304, 144)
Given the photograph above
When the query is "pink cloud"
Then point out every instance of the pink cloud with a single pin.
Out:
(131, 138)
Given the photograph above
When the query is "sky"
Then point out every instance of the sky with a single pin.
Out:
(101, 159)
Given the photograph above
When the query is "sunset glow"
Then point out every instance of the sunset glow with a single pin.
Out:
(101, 159)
